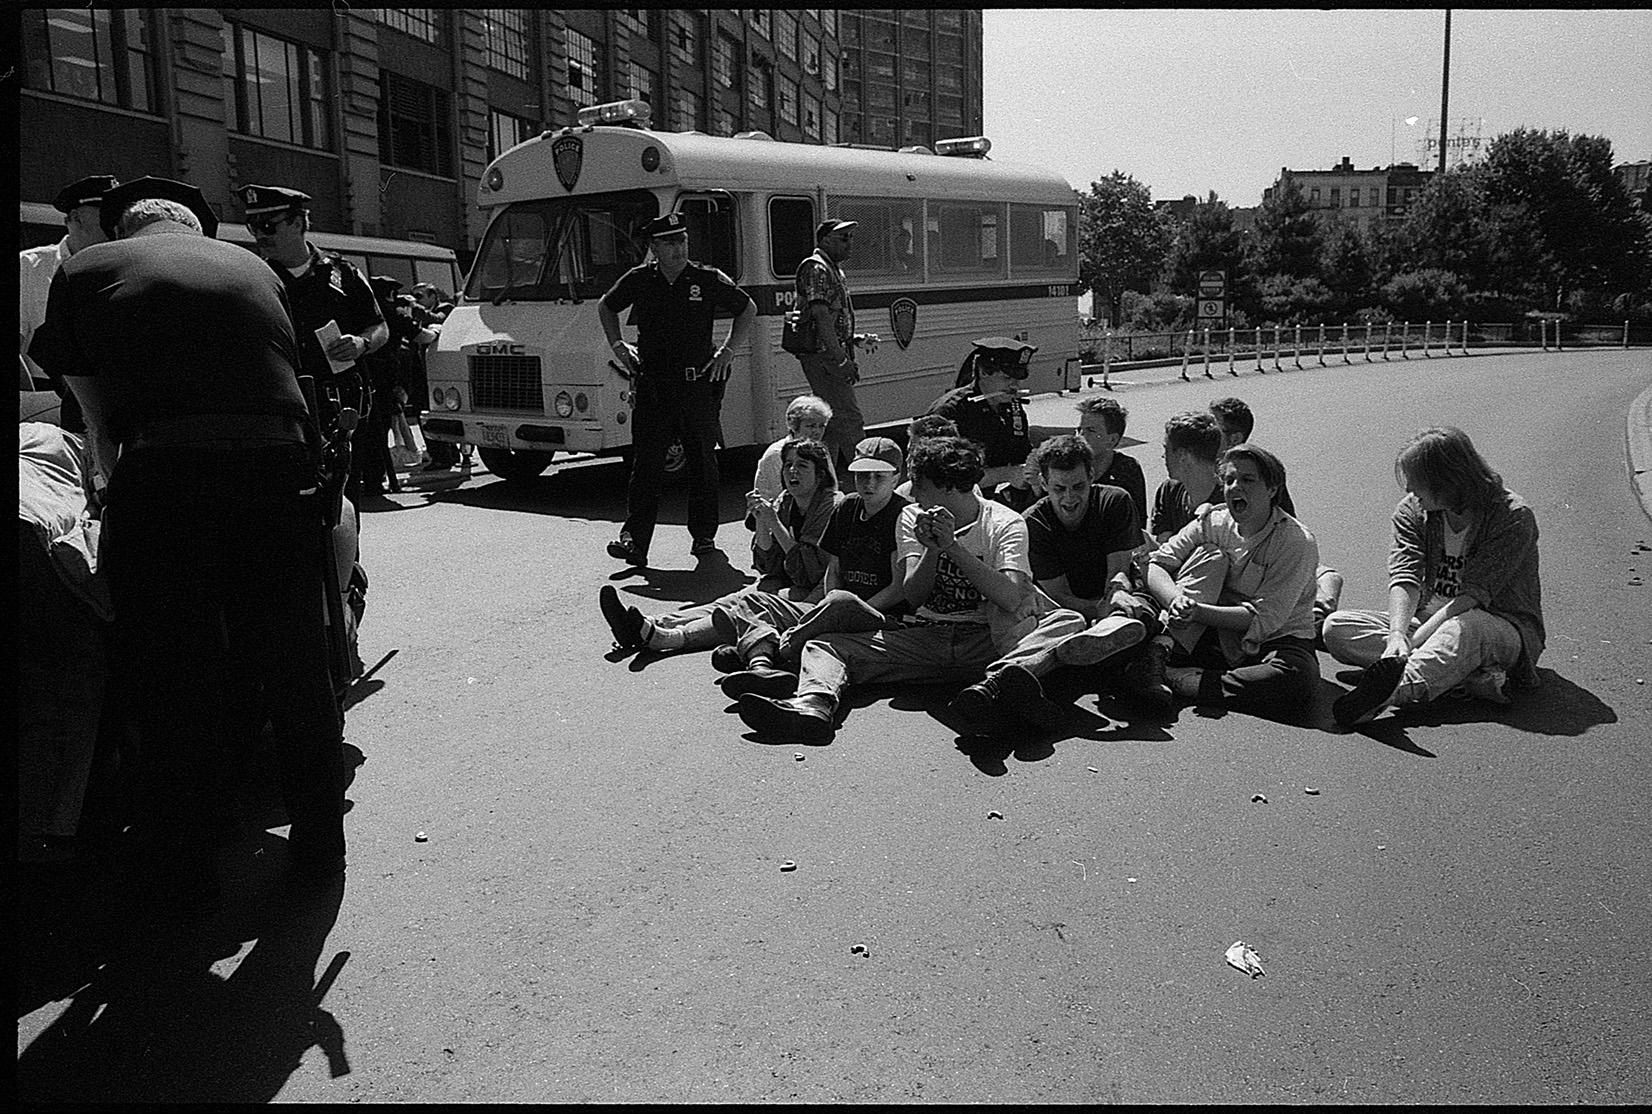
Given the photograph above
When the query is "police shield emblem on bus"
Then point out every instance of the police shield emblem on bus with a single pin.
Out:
(903, 319)
(568, 155)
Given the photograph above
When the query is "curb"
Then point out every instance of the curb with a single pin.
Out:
(1639, 437)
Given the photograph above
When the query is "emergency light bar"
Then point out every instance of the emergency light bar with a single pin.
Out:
(634, 112)
(970, 147)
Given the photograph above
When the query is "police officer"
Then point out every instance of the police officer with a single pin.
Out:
(677, 379)
(986, 405)
(321, 288)
(388, 372)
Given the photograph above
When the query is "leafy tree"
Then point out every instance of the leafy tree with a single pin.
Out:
(1121, 242)
(1286, 300)
(1205, 240)
(1346, 269)
(1288, 236)
(1423, 295)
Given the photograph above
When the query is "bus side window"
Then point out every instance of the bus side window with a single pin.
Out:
(396, 267)
(791, 233)
(885, 242)
(712, 238)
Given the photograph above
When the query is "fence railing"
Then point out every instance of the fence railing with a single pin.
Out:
(1265, 348)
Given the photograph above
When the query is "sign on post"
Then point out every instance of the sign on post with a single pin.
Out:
(1212, 301)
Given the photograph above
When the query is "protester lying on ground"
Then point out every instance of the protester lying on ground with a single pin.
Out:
(1101, 423)
(785, 552)
(859, 590)
(1237, 586)
(1079, 537)
(806, 419)
(964, 571)
(1464, 603)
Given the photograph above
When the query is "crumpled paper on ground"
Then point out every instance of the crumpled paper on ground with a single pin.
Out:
(1241, 957)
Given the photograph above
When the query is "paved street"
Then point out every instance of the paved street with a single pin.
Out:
(597, 910)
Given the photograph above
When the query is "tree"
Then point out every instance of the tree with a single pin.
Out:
(1205, 240)
(1288, 236)
(1426, 294)
(1346, 269)
(1121, 243)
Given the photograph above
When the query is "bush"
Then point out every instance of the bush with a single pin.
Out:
(1428, 294)
(1294, 301)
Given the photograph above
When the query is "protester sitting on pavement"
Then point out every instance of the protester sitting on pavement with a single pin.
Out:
(1236, 422)
(1464, 603)
(964, 570)
(1192, 442)
(859, 591)
(806, 419)
(1101, 423)
(1079, 540)
(925, 425)
(785, 552)
(1237, 586)
(985, 402)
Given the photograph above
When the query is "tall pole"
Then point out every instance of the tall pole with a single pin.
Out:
(1445, 88)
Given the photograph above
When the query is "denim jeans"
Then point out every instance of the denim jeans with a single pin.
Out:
(1459, 647)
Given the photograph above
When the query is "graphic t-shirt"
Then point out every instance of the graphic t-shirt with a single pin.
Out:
(1448, 575)
(863, 546)
(1108, 526)
(998, 537)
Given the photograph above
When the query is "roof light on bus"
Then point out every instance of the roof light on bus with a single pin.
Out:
(974, 146)
(915, 150)
(616, 112)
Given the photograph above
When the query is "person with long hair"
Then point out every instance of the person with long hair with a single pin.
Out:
(1464, 603)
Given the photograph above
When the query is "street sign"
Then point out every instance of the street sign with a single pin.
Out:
(1213, 284)
(1211, 308)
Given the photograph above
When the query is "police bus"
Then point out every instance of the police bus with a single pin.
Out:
(410, 261)
(951, 246)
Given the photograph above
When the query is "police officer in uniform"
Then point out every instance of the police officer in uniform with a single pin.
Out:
(181, 349)
(320, 288)
(677, 379)
(986, 406)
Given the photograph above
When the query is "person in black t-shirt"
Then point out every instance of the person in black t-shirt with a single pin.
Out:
(1101, 424)
(1192, 442)
(677, 379)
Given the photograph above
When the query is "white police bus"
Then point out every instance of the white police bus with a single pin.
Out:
(951, 246)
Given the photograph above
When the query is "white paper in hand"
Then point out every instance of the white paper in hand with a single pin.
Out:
(326, 335)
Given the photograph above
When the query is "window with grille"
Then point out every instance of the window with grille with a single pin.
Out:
(275, 89)
(785, 33)
(415, 131)
(828, 126)
(640, 84)
(584, 68)
(685, 38)
(811, 116)
(428, 24)
(786, 93)
(688, 109)
(828, 20)
(506, 131)
(811, 54)
(725, 62)
(508, 37)
(762, 23)
(757, 86)
(94, 54)
(828, 70)
(968, 238)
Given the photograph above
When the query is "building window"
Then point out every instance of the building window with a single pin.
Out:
(879, 34)
(642, 22)
(811, 117)
(811, 55)
(880, 130)
(828, 70)
(880, 98)
(828, 126)
(949, 19)
(92, 53)
(915, 74)
(757, 86)
(1313, 196)
(685, 38)
(506, 131)
(507, 33)
(724, 121)
(428, 24)
(915, 42)
(785, 33)
(1336, 197)
(761, 22)
(686, 106)
(584, 67)
(275, 89)
(828, 20)
(725, 62)
(414, 127)
(916, 102)
(1353, 197)
(918, 132)
(786, 93)
(640, 85)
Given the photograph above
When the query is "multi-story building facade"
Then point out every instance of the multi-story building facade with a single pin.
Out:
(1363, 198)
(388, 117)
(910, 76)
(1637, 182)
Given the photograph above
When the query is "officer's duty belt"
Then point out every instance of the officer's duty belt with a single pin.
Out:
(202, 429)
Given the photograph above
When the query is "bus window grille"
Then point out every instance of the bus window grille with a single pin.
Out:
(506, 383)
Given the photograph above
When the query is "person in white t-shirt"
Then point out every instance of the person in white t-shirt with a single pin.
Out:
(964, 567)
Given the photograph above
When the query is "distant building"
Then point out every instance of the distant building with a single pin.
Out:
(910, 76)
(1177, 209)
(1362, 198)
(1637, 182)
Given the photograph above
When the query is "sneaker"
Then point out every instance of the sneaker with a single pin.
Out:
(762, 679)
(1374, 691)
(625, 622)
(1023, 695)
(1104, 639)
(726, 659)
(624, 549)
(798, 720)
(976, 707)
(1145, 678)
(702, 546)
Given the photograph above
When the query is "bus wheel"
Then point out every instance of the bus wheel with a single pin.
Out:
(516, 465)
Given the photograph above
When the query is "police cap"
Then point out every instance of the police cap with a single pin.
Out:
(262, 201)
(669, 225)
(87, 191)
(826, 227)
(384, 285)
(1002, 356)
(116, 200)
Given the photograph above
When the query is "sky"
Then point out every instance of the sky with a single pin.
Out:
(1188, 101)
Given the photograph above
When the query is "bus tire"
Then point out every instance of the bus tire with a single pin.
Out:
(516, 465)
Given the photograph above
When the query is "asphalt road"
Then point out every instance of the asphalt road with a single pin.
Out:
(1461, 913)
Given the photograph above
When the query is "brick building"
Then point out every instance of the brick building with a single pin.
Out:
(910, 76)
(1363, 198)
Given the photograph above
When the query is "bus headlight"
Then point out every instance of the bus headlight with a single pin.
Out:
(564, 405)
(581, 403)
(452, 398)
(437, 397)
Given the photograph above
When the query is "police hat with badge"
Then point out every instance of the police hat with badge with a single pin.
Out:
(87, 191)
(996, 356)
(119, 198)
(672, 224)
(263, 202)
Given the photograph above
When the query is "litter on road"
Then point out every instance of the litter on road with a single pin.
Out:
(787, 866)
(995, 815)
(1310, 790)
(1241, 957)
(1258, 799)
(420, 837)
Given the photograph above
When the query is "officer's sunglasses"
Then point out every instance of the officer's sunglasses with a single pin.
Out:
(264, 226)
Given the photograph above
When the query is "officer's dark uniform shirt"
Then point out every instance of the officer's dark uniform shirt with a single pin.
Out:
(1001, 433)
(674, 319)
(176, 325)
(331, 290)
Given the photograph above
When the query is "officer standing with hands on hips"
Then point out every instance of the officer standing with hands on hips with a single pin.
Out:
(322, 289)
(985, 404)
(677, 379)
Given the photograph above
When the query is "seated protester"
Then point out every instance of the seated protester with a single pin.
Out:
(1079, 540)
(963, 569)
(1192, 442)
(925, 425)
(1236, 421)
(1237, 586)
(785, 552)
(1101, 424)
(1019, 498)
(1464, 604)
(806, 419)
(859, 591)
(985, 402)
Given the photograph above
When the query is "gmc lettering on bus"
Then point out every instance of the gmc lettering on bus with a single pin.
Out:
(500, 348)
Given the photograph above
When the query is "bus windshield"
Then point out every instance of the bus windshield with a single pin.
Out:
(571, 248)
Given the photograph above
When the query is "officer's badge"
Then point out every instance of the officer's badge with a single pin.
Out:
(903, 320)
(694, 293)
(568, 155)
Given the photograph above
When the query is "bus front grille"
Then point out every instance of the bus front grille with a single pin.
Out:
(506, 383)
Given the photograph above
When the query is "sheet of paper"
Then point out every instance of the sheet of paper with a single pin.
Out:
(326, 335)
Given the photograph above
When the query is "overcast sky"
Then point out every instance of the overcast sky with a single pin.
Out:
(1189, 101)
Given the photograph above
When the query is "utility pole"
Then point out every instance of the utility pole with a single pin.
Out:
(1445, 88)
